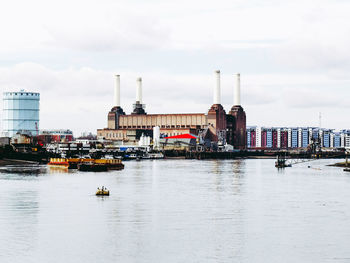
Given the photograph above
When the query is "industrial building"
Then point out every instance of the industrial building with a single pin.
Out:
(55, 136)
(21, 113)
(215, 126)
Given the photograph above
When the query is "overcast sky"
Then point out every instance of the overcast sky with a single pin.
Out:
(293, 57)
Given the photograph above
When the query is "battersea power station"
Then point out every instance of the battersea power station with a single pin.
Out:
(216, 126)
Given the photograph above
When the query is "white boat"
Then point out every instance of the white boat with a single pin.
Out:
(153, 156)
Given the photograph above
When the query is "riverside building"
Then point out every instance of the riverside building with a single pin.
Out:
(295, 137)
(215, 126)
(21, 113)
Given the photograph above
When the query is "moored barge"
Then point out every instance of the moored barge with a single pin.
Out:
(87, 164)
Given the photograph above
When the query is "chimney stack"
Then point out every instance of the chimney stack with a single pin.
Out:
(217, 94)
(139, 90)
(117, 91)
(237, 91)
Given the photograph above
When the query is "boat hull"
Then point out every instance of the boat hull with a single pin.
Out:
(84, 167)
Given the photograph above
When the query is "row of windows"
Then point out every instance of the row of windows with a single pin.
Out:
(161, 126)
(114, 135)
(172, 134)
(26, 93)
(122, 135)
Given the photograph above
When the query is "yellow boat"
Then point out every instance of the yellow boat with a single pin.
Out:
(102, 192)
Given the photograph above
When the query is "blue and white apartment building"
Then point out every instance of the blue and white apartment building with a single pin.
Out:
(295, 137)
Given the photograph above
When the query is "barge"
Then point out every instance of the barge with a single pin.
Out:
(87, 164)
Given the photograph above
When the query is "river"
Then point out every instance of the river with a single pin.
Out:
(178, 211)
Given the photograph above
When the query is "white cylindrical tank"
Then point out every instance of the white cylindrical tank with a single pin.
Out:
(117, 91)
(156, 136)
(147, 141)
(141, 140)
(237, 91)
(139, 90)
(21, 112)
(217, 94)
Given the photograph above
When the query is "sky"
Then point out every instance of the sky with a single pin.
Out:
(292, 56)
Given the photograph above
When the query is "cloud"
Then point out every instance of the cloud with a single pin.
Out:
(321, 38)
(80, 98)
(107, 28)
(293, 56)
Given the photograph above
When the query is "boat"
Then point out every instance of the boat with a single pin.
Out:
(111, 164)
(102, 192)
(346, 170)
(132, 156)
(281, 162)
(152, 156)
(92, 167)
(156, 155)
(87, 164)
(59, 163)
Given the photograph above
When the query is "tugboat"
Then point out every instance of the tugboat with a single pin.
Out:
(102, 192)
(281, 162)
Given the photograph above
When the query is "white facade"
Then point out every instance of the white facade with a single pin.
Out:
(347, 140)
(331, 140)
(342, 140)
(310, 135)
(289, 137)
(300, 140)
(20, 113)
(320, 134)
(258, 137)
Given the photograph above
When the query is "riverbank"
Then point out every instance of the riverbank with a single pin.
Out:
(341, 164)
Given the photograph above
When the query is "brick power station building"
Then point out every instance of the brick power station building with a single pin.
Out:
(217, 125)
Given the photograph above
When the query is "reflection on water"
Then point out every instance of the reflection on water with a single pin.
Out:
(18, 221)
(24, 169)
(177, 211)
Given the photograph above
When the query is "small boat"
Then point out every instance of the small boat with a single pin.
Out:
(153, 156)
(281, 162)
(132, 156)
(103, 192)
(346, 170)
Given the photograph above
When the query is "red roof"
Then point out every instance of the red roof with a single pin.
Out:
(181, 136)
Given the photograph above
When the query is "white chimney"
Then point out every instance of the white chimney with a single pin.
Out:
(237, 91)
(217, 94)
(117, 91)
(139, 90)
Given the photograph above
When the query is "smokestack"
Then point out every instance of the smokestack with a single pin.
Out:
(217, 94)
(139, 90)
(117, 91)
(237, 91)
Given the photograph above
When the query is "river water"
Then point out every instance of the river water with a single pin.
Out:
(178, 211)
